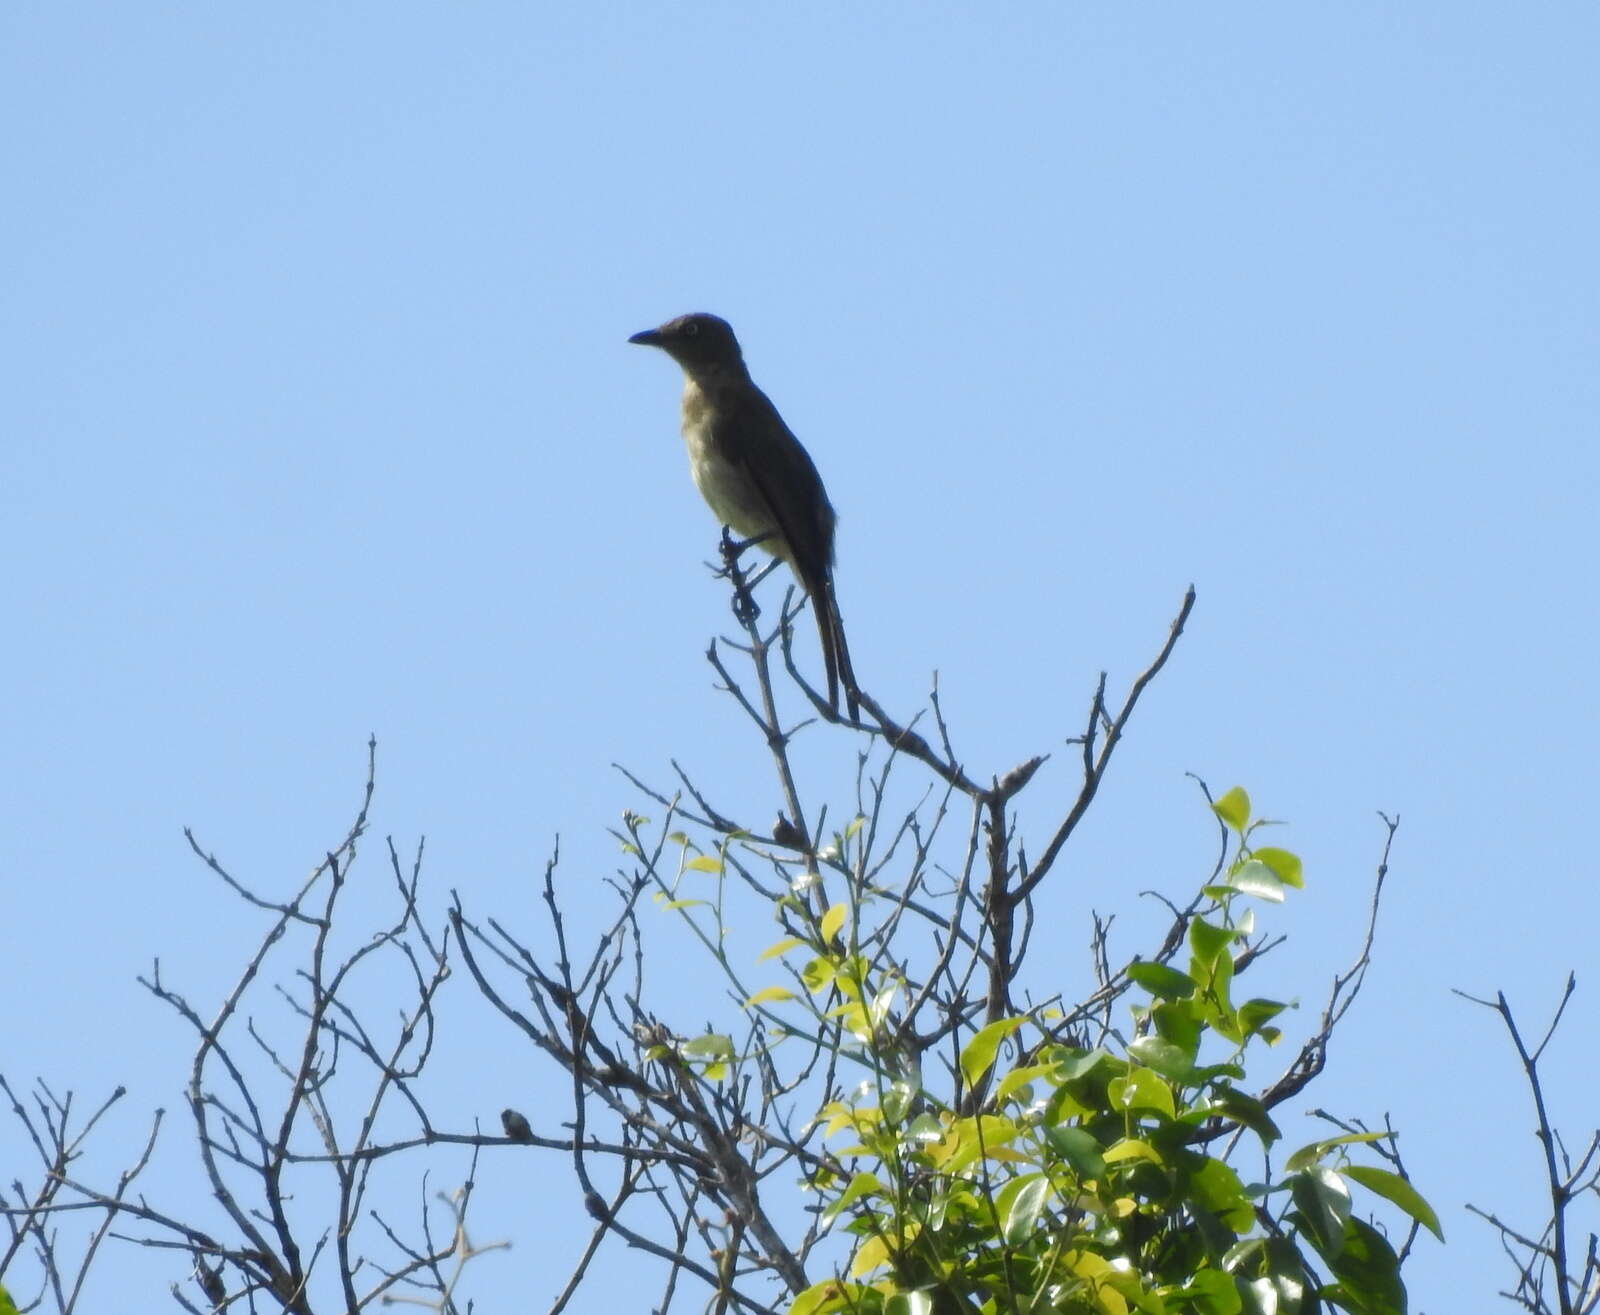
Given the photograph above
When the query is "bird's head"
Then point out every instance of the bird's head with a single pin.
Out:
(700, 343)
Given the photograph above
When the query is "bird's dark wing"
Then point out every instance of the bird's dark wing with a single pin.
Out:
(753, 437)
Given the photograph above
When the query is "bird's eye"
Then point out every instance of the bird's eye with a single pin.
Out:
(692, 328)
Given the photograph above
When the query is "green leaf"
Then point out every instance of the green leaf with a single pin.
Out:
(1215, 979)
(1245, 1109)
(832, 920)
(1254, 1015)
(1261, 1297)
(909, 1303)
(1141, 1090)
(1179, 1023)
(1161, 980)
(1212, 1293)
(1252, 877)
(897, 1100)
(1324, 1202)
(1168, 1060)
(769, 995)
(7, 1306)
(1368, 1273)
(704, 863)
(1285, 866)
(1020, 1203)
(713, 1045)
(670, 906)
(1207, 941)
(781, 948)
(967, 1140)
(1234, 809)
(1217, 1188)
(1316, 1151)
(1237, 1258)
(1279, 1287)
(1017, 1079)
(1079, 1148)
(831, 1295)
(1392, 1187)
(854, 1018)
(978, 1054)
(1069, 1065)
(1131, 1148)
(858, 1187)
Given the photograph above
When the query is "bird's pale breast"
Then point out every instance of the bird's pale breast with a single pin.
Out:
(725, 487)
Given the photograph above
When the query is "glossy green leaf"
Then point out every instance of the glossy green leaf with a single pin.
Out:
(1392, 1187)
(897, 1100)
(782, 947)
(832, 921)
(832, 1295)
(1020, 1203)
(713, 1045)
(1141, 1089)
(1215, 979)
(1260, 1297)
(1161, 980)
(1255, 878)
(1168, 1060)
(1254, 1015)
(1211, 1292)
(1131, 1148)
(1019, 1079)
(769, 995)
(1215, 1186)
(1316, 1151)
(909, 1303)
(861, 1185)
(1285, 866)
(1180, 1023)
(978, 1054)
(1324, 1202)
(1069, 1065)
(704, 863)
(1242, 1256)
(1208, 941)
(818, 975)
(1245, 1109)
(1079, 1148)
(1234, 809)
(854, 1018)
(1368, 1273)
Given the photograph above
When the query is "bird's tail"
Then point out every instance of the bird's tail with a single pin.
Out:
(835, 652)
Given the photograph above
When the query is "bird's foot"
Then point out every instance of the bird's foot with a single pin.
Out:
(745, 609)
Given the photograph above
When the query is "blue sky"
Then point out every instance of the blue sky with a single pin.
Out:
(320, 421)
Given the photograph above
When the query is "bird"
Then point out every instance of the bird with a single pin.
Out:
(754, 474)
(516, 1126)
(210, 1281)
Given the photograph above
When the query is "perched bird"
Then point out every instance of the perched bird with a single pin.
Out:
(210, 1281)
(754, 474)
(516, 1127)
(786, 833)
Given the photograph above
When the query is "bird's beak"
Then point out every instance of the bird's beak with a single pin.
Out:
(647, 338)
